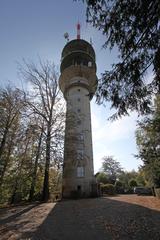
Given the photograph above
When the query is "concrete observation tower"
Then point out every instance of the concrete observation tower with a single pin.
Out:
(78, 83)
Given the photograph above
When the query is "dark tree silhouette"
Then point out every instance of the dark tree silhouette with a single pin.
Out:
(134, 28)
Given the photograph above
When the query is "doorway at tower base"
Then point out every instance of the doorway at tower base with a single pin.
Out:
(77, 192)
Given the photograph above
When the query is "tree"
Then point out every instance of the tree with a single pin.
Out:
(140, 178)
(31, 136)
(21, 166)
(126, 176)
(133, 183)
(133, 28)
(111, 168)
(148, 142)
(40, 132)
(119, 187)
(11, 106)
(102, 177)
(44, 100)
(55, 181)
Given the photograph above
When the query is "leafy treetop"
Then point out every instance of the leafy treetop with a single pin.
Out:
(133, 27)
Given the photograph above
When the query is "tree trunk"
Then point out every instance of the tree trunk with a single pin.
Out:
(5, 164)
(32, 190)
(18, 175)
(45, 194)
(14, 192)
(3, 141)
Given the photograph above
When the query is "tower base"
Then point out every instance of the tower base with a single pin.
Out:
(79, 191)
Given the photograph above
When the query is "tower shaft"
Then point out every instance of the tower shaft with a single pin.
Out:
(78, 83)
(78, 157)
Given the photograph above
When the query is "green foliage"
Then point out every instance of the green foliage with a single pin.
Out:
(108, 189)
(119, 187)
(126, 177)
(118, 184)
(23, 135)
(102, 178)
(111, 168)
(55, 182)
(133, 183)
(125, 181)
(140, 178)
(133, 28)
(148, 142)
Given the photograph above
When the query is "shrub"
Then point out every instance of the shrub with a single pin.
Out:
(118, 184)
(133, 183)
(102, 178)
(108, 189)
(119, 188)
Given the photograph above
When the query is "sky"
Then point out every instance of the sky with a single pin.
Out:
(30, 29)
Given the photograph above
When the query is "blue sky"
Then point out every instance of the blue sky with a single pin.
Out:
(32, 28)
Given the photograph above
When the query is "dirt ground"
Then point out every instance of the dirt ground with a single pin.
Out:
(123, 217)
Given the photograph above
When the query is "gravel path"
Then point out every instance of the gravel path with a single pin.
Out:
(122, 217)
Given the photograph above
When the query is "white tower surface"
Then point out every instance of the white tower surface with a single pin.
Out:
(78, 83)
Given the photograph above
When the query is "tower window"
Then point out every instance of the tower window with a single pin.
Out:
(80, 171)
(80, 154)
(89, 64)
(78, 110)
(78, 99)
(79, 90)
(81, 136)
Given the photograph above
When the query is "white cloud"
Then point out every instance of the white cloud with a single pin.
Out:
(113, 138)
(113, 131)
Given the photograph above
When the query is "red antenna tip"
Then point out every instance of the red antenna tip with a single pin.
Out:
(78, 30)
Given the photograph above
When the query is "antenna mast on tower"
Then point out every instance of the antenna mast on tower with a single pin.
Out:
(78, 30)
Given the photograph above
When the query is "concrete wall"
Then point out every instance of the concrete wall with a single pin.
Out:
(78, 82)
(78, 143)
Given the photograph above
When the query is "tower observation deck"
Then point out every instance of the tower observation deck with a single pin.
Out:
(78, 83)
